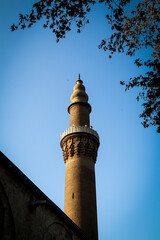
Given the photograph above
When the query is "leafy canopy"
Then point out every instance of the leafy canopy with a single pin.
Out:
(132, 31)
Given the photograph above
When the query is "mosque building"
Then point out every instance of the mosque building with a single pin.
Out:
(26, 213)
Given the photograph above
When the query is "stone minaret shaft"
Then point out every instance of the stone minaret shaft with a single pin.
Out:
(80, 144)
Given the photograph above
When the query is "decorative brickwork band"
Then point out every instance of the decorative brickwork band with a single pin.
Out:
(83, 146)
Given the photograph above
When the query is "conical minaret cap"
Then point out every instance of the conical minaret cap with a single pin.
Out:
(79, 94)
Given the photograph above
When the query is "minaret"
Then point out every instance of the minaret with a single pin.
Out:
(80, 144)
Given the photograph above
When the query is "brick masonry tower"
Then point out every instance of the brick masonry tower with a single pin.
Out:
(80, 144)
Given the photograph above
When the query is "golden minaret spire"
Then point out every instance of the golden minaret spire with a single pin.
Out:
(80, 144)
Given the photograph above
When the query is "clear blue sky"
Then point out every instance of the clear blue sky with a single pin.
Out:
(37, 77)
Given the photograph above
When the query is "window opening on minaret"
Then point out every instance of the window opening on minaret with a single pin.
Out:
(73, 195)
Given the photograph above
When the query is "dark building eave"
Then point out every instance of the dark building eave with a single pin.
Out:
(14, 169)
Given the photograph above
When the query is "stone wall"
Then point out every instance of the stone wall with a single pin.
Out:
(26, 213)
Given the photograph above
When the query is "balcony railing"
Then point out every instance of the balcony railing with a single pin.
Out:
(80, 129)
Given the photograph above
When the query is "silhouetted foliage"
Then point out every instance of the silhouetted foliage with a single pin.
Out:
(132, 31)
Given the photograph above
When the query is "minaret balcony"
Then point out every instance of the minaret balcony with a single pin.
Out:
(79, 129)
